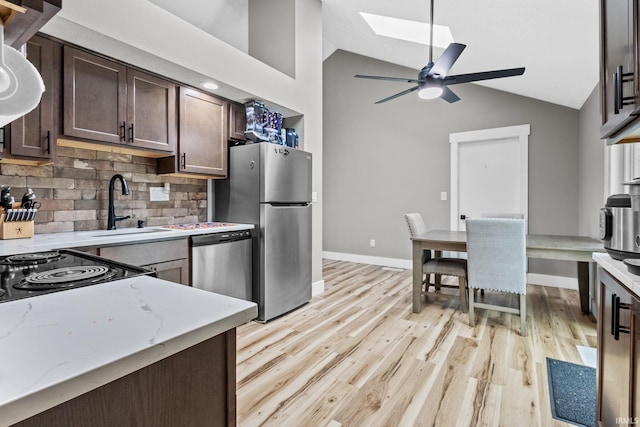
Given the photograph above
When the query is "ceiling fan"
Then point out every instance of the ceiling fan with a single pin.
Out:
(433, 80)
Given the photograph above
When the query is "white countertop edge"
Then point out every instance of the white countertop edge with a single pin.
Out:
(618, 270)
(77, 239)
(40, 401)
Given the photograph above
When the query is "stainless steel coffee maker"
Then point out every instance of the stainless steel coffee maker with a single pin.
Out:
(620, 223)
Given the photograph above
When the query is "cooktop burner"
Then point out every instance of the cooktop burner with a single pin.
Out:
(32, 258)
(38, 273)
(64, 277)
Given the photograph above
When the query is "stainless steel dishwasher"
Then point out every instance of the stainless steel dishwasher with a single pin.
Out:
(222, 263)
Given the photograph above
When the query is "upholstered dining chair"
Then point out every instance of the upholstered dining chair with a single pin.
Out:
(439, 266)
(497, 260)
(502, 215)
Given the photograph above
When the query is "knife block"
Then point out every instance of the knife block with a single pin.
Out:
(15, 229)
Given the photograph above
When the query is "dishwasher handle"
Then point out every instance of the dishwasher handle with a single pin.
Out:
(218, 238)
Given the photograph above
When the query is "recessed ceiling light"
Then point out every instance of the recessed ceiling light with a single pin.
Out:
(403, 29)
(209, 85)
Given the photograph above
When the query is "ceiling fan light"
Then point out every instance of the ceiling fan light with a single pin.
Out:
(430, 92)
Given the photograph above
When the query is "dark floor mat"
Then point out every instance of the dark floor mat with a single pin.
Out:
(572, 391)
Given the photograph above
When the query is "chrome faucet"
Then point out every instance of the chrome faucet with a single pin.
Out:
(111, 221)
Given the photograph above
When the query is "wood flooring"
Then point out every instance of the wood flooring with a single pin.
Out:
(356, 355)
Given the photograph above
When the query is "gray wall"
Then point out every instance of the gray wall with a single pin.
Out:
(272, 34)
(591, 154)
(382, 161)
(227, 20)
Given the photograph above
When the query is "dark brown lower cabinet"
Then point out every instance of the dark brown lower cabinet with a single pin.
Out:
(618, 378)
(168, 258)
(196, 387)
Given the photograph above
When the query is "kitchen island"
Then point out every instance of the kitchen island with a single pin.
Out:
(137, 351)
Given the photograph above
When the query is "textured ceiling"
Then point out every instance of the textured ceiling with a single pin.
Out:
(557, 41)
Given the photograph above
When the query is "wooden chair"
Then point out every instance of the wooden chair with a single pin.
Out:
(497, 260)
(439, 266)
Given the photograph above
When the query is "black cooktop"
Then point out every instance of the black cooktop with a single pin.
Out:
(38, 273)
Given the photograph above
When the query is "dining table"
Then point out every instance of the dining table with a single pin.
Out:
(556, 247)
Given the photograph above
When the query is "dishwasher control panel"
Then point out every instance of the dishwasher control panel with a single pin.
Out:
(217, 238)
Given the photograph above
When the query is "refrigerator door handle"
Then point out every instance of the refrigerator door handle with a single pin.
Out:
(285, 204)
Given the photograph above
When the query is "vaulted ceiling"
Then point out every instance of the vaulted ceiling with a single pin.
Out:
(557, 41)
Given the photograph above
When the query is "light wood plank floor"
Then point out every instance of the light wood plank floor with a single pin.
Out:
(357, 356)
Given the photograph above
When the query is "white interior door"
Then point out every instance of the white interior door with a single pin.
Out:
(489, 173)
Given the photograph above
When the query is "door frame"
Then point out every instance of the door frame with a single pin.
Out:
(520, 132)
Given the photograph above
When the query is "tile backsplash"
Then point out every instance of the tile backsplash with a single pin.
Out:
(74, 191)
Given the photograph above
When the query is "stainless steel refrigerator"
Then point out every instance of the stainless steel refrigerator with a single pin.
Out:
(269, 185)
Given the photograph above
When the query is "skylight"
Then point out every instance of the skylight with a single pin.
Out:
(403, 29)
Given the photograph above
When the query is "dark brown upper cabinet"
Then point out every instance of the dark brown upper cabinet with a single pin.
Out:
(32, 138)
(109, 102)
(619, 80)
(237, 121)
(151, 111)
(202, 138)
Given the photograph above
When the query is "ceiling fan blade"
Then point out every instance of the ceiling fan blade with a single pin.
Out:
(448, 95)
(404, 92)
(392, 79)
(447, 59)
(486, 75)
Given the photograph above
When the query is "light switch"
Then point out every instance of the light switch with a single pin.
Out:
(443, 195)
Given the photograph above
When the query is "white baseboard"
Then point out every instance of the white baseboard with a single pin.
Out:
(317, 288)
(532, 278)
(365, 259)
(553, 281)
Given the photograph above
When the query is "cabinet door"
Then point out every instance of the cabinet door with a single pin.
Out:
(614, 352)
(33, 135)
(237, 121)
(203, 133)
(618, 80)
(173, 271)
(94, 97)
(151, 112)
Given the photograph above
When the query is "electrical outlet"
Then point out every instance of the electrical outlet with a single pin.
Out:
(158, 194)
(443, 195)
(372, 243)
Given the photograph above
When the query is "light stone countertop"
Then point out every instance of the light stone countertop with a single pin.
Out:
(618, 270)
(59, 345)
(45, 242)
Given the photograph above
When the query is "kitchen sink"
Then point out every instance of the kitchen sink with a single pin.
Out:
(129, 231)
